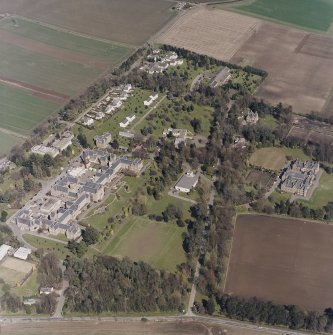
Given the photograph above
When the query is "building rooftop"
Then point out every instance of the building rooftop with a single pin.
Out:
(188, 181)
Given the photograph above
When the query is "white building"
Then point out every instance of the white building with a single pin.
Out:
(151, 99)
(177, 62)
(123, 96)
(87, 121)
(127, 88)
(126, 134)
(4, 250)
(187, 182)
(43, 150)
(127, 121)
(99, 116)
(46, 290)
(22, 253)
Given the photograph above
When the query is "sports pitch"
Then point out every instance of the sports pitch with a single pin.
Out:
(308, 14)
(157, 243)
(13, 270)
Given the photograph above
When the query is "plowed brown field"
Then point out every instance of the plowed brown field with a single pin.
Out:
(299, 63)
(287, 261)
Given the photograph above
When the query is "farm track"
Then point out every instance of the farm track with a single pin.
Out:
(13, 133)
(75, 33)
(38, 91)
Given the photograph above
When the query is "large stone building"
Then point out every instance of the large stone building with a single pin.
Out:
(102, 141)
(299, 176)
(70, 195)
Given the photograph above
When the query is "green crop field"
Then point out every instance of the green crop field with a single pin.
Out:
(41, 67)
(64, 40)
(156, 243)
(21, 111)
(308, 14)
(7, 141)
(44, 71)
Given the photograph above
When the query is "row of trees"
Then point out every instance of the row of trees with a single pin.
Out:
(258, 311)
(294, 209)
(204, 60)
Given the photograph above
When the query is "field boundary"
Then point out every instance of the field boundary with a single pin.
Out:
(269, 19)
(72, 32)
(40, 92)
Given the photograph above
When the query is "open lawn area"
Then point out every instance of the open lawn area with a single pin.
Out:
(133, 105)
(59, 249)
(308, 14)
(171, 114)
(323, 193)
(117, 206)
(275, 158)
(157, 243)
(29, 288)
(10, 276)
(248, 80)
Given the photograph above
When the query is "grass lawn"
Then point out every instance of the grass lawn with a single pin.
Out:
(133, 105)
(268, 121)
(277, 196)
(159, 244)
(323, 193)
(249, 80)
(275, 158)
(21, 111)
(29, 288)
(10, 276)
(36, 69)
(39, 242)
(308, 14)
(166, 115)
(296, 153)
(116, 205)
